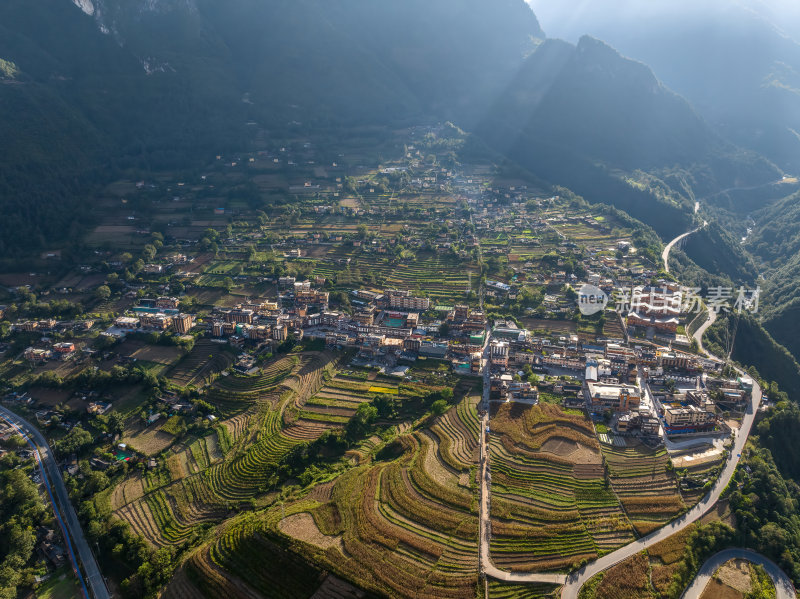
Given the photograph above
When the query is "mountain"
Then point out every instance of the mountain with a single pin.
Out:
(100, 85)
(595, 121)
(159, 84)
(736, 61)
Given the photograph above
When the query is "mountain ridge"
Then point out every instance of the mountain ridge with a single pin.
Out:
(163, 82)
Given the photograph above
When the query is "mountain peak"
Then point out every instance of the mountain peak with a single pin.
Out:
(85, 5)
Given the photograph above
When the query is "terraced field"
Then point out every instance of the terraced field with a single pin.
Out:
(239, 555)
(647, 489)
(205, 359)
(334, 404)
(551, 503)
(234, 464)
(443, 280)
(502, 590)
(405, 526)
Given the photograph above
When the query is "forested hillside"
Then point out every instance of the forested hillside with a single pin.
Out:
(162, 84)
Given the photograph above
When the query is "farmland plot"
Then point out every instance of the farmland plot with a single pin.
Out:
(647, 489)
(551, 504)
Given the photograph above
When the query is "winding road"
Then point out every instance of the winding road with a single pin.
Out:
(576, 580)
(573, 582)
(712, 315)
(674, 242)
(783, 584)
(486, 565)
(64, 512)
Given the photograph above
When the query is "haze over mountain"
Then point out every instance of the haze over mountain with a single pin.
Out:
(157, 83)
(257, 234)
(737, 62)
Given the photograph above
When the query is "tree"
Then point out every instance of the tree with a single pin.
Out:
(103, 292)
(75, 441)
(362, 231)
(385, 404)
(149, 252)
(361, 421)
(116, 423)
(14, 442)
(439, 407)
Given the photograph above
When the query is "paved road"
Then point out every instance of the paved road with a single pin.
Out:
(783, 584)
(573, 582)
(65, 513)
(671, 244)
(576, 580)
(698, 335)
(486, 565)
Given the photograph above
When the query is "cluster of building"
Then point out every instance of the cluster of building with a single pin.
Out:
(153, 315)
(60, 351)
(259, 322)
(659, 308)
(51, 325)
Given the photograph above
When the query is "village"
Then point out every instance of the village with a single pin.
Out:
(380, 284)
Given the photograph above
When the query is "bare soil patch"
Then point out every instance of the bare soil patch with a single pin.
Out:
(736, 574)
(149, 441)
(719, 590)
(158, 353)
(302, 526)
(560, 446)
(17, 279)
(116, 229)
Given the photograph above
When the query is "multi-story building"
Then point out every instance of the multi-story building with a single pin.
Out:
(660, 323)
(256, 333)
(64, 350)
(365, 316)
(331, 319)
(688, 419)
(317, 299)
(36, 355)
(312, 320)
(669, 359)
(499, 351)
(47, 324)
(239, 315)
(127, 324)
(412, 344)
(523, 390)
(405, 301)
(604, 396)
(461, 313)
(222, 329)
(167, 303)
(158, 322)
(280, 332)
(183, 323)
